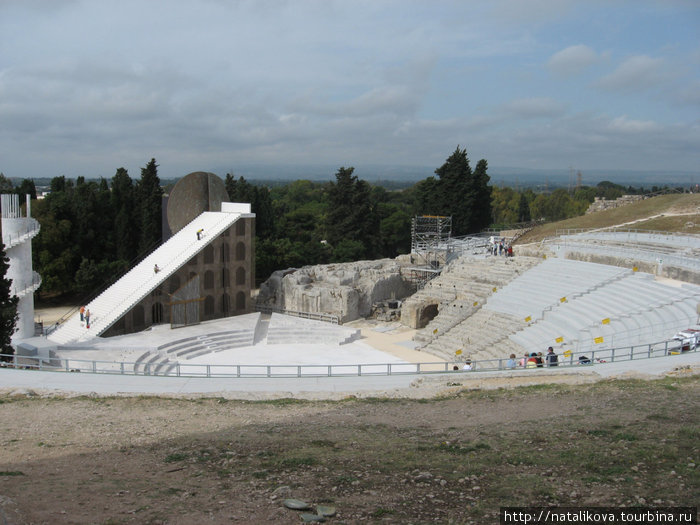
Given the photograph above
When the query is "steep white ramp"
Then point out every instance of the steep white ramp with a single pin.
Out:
(141, 280)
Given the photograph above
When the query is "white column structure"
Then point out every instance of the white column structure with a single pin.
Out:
(17, 235)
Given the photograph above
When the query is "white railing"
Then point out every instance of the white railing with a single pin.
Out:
(31, 228)
(316, 316)
(569, 359)
(26, 286)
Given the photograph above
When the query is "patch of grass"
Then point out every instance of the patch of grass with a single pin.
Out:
(625, 436)
(285, 401)
(175, 457)
(689, 433)
(323, 443)
(633, 212)
(658, 417)
(459, 448)
(601, 432)
(11, 473)
(381, 512)
(306, 461)
(345, 480)
(672, 224)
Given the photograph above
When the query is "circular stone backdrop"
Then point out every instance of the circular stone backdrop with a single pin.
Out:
(193, 194)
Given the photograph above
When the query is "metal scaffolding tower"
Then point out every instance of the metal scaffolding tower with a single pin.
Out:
(430, 246)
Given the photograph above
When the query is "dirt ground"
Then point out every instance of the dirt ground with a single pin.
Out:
(452, 459)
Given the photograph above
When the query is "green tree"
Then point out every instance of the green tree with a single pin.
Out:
(394, 230)
(122, 205)
(26, 187)
(56, 252)
(264, 213)
(260, 203)
(8, 306)
(609, 190)
(460, 193)
(87, 277)
(455, 194)
(348, 250)
(350, 215)
(523, 209)
(5, 184)
(150, 195)
(504, 205)
(58, 184)
(481, 191)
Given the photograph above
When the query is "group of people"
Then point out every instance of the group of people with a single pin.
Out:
(500, 247)
(85, 316)
(530, 360)
(468, 365)
(534, 360)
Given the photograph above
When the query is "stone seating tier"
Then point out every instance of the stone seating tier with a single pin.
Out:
(640, 310)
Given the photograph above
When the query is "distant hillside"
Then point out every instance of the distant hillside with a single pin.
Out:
(500, 175)
(402, 176)
(673, 213)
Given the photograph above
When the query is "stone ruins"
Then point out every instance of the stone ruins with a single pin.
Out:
(346, 290)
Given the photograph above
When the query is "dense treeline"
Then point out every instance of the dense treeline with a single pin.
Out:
(94, 230)
(8, 307)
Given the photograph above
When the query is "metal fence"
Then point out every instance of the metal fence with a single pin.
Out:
(567, 359)
(316, 316)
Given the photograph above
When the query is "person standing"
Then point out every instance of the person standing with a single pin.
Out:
(87, 318)
(551, 358)
(82, 314)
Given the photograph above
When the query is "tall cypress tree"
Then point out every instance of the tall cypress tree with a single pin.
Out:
(481, 212)
(463, 194)
(122, 204)
(8, 306)
(351, 217)
(457, 196)
(150, 202)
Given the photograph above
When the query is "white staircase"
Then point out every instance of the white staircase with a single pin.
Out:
(141, 280)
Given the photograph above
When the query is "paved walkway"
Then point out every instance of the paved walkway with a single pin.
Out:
(320, 387)
(380, 343)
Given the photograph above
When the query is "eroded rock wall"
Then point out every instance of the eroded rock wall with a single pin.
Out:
(347, 290)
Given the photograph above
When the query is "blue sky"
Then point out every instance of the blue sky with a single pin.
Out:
(90, 86)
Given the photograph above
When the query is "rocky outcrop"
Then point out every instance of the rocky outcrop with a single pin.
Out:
(346, 290)
(601, 203)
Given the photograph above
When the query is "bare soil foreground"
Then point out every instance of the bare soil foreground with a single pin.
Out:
(453, 459)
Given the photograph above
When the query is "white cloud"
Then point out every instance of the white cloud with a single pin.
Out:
(635, 74)
(90, 86)
(572, 60)
(537, 107)
(689, 93)
(626, 125)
